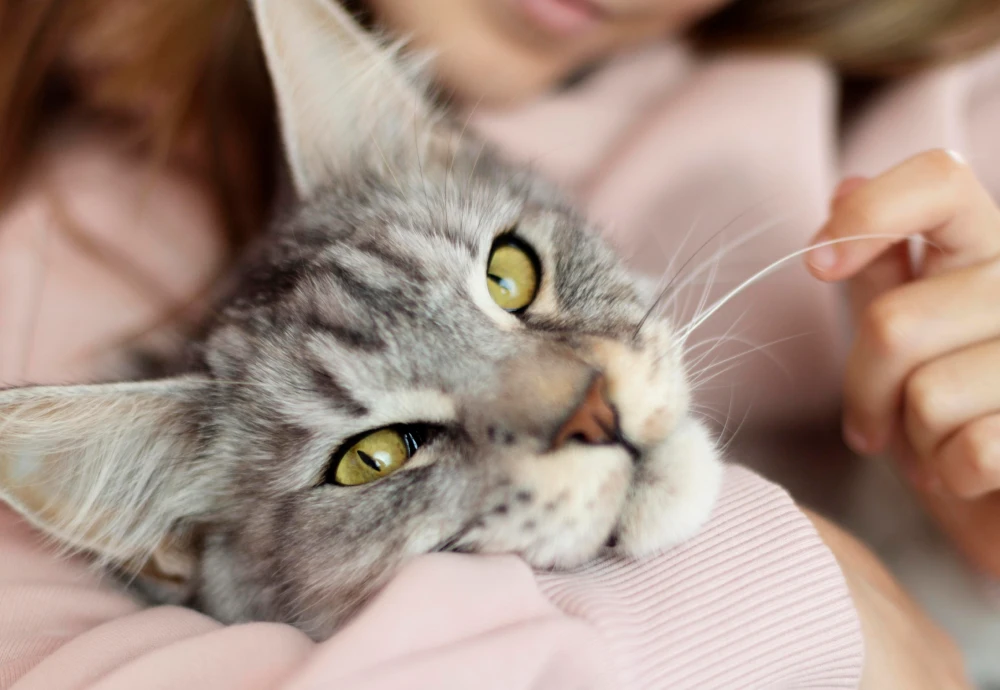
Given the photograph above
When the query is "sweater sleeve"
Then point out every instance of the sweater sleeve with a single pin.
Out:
(955, 107)
(755, 601)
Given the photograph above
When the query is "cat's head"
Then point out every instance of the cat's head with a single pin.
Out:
(430, 353)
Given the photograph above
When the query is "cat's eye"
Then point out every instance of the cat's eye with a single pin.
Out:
(375, 455)
(512, 275)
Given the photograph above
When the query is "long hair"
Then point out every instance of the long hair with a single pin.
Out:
(171, 75)
(174, 71)
(862, 38)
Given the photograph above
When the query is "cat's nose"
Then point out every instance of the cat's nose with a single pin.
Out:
(593, 422)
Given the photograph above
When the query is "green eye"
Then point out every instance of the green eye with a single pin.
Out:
(512, 275)
(374, 456)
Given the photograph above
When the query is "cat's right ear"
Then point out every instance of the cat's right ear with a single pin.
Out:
(341, 95)
(109, 469)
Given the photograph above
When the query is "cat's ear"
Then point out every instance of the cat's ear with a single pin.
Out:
(340, 94)
(108, 469)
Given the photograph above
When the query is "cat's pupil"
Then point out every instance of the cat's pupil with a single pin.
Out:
(509, 287)
(371, 462)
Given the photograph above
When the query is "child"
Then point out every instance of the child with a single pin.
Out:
(93, 90)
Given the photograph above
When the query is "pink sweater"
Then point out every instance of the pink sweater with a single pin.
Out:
(773, 613)
(655, 145)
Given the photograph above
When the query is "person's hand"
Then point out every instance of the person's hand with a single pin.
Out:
(903, 648)
(923, 377)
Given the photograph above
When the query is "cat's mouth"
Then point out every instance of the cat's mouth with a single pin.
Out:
(633, 451)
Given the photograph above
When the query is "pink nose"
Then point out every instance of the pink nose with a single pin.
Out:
(593, 422)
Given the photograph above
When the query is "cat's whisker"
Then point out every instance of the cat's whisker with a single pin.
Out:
(709, 414)
(710, 264)
(668, 273)
(674, 287)
(727, 444)
(700, 377)
(737, 218)
(715, 258)
(715, 342)
(658, 299)
(475, 165)
(709, 284)
(699, 385)
(768, 270)
(461, 134)
(729, 415)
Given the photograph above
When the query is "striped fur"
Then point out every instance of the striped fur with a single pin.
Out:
(367, 306)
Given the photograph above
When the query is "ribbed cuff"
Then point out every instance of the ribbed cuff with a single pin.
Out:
(755, 601)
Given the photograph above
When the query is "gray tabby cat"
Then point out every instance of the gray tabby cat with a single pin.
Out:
(430, 353)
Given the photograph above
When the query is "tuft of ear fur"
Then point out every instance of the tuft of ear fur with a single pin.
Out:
(108, 469)
(341, 95)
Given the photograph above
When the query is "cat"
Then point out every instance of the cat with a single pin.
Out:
(430, 351)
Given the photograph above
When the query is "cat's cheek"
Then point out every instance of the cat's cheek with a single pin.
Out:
(576, 497)
(674, 494)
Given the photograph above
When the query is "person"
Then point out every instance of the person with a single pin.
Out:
(95, 246)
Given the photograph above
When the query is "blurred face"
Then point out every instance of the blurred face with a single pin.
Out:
(503, 51)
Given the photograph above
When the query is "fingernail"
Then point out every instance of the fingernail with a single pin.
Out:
(959, 158)
(857, 441)
(823, 258)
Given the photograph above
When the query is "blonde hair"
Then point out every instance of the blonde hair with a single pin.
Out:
(863, 38)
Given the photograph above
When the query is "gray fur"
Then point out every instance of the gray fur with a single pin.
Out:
(367, 306)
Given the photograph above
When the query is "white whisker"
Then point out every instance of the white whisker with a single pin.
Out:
(719, 254)
(766, 271)
(753, 350)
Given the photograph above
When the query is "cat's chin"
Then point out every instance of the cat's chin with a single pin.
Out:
(673, 493)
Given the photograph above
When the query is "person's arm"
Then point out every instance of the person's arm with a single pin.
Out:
(903, 647)
(755, 595)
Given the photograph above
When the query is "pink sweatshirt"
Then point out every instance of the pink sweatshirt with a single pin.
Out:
(657, 146)
(771, 613)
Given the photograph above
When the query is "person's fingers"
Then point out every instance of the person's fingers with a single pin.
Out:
(968, 464)
(847, 186)
(946, 394)
(972, 525)
(906, 328)
(934, 194)
(889, 270)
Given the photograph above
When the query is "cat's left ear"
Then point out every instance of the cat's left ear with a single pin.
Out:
(110, 469)
(341, 95)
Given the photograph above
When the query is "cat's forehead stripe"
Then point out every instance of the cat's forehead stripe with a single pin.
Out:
(363, 339)
(336, 393)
